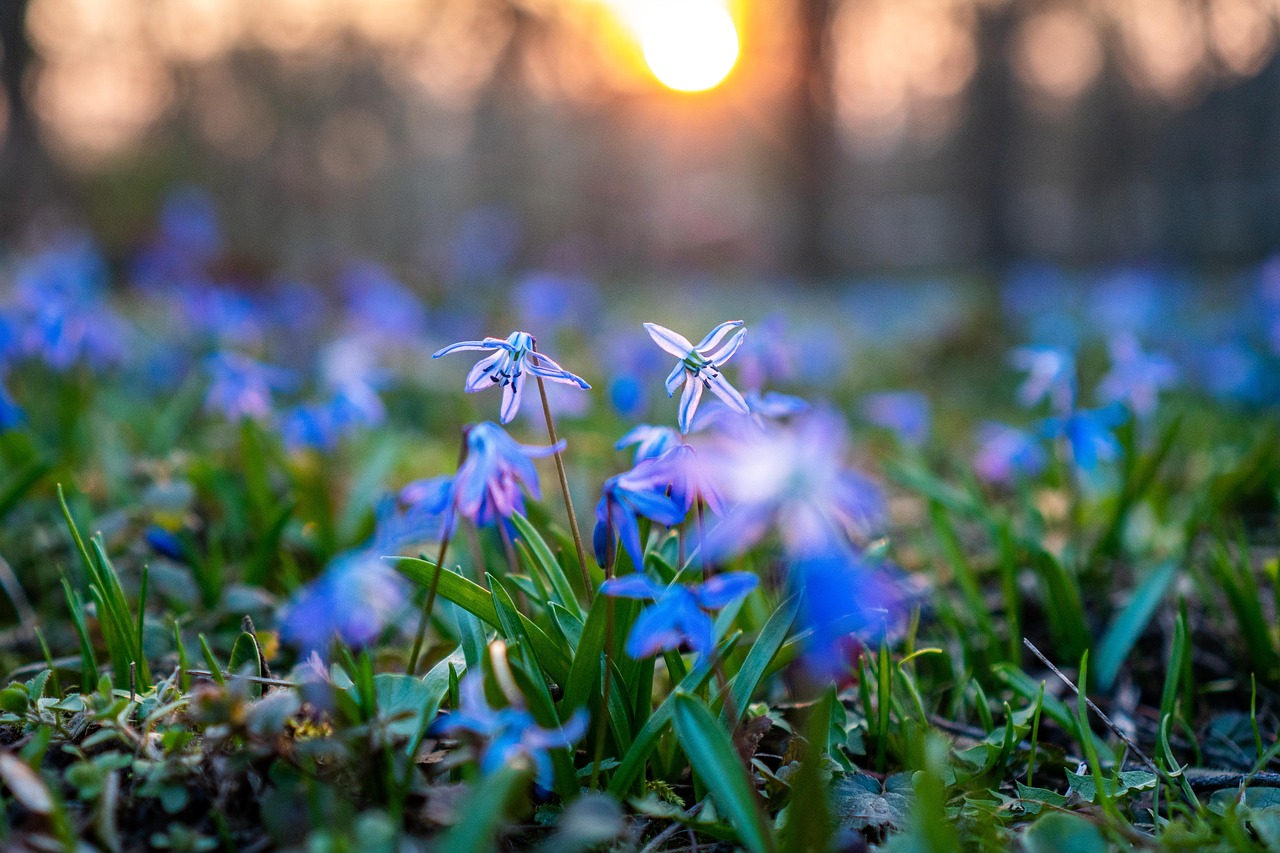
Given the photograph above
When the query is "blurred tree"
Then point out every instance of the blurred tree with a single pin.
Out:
(27, 174)
(815, 151)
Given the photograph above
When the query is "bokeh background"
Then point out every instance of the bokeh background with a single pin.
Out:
(459, 140)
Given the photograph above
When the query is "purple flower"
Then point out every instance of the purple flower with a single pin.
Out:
(506, 367)
(906, 413)
(487, 485)
(793, 479)
(699, 367)
(227, 316)
(1005, 454)
(511, 733)
(241, 387)
(688, 478)
(649, 441)
(1088, 434)
(845, 603)
(308, 427)
(677, 619)
(1051, 374)
(1136, 378)
(627, 497)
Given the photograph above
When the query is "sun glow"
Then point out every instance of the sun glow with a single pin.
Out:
(689, 45)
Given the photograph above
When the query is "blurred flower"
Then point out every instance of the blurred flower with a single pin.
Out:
(628, 496)
(511, 733)
(165, 543)
(1051, 373)
(649, 441)
(1005, 454)
(487, 485)
(1089, 434)
(792, 479)
(241, 387)
(699, 367)
(766, 357)
(688, 479)
(677, 619)
(906, 413)
(1136, 378)
(774, 405)
(380, 307)
(308, 427)
(187, 241)
(506, 367)
(354, 600)
(549, 301)
(229, 317)
(845, 602)
(11, 414)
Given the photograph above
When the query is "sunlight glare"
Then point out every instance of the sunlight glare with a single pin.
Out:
(689, 45)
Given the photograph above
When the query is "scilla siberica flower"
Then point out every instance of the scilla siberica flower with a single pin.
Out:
(511, 734)
(506, 367)
(487, 485)
(1051, 373)
(649, 441)
(1088, 434)
(642, 491)
(699, 367)
(678, 618)
(1006, 453)
(241, 387)
(1136, 377)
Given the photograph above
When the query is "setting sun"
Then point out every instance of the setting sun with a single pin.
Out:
(689, 45)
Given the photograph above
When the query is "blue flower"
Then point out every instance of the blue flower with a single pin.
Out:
(628, 496)
(511, 733)
(846, 602)
(1136, 378)
(650, 441)
(379, 307)
(1088, 433)
(487, 485)
(1051, 373)
(1006, 453)
(677, 619)
(688, 479)
(354, 599)
(11, 414)
(506, 367)
(699, 367)
(774, 405)
(242, 387)
(165, 543)
(792, 479)
(904, 412)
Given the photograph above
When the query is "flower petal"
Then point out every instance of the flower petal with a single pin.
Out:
(486, 344)
(480, 376)
(511, 396)
(542, 366)
(689, 403)
(713, 337)
(724, 588)
(673, 342)
(723, 354)
(675, 377)
(634, 585)
(722, 389)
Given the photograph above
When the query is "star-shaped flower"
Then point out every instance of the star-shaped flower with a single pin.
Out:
(699, 367)
(506, 366)
(677, 619)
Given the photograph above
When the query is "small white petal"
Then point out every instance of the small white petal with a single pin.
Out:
(486, 344)
(511, 395)
(675, 378)
(673, 342)
(478, 379)
(722, 389)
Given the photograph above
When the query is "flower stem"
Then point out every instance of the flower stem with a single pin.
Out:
(425, 617)
(601, 730)
(564, 488)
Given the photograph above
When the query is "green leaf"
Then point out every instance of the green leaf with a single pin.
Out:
(718, 765)
(1129, 624)
(538, 555)
(246, 659)
(474, 599)
(772, 636)
(636, 758)
(1061, 832)
(485, 809)
(861, 803)
(1128, 782)
(211, 661)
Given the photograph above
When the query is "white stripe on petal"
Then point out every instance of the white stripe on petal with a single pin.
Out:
(673, 342)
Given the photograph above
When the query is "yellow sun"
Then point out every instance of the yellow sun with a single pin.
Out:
(689, 45)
